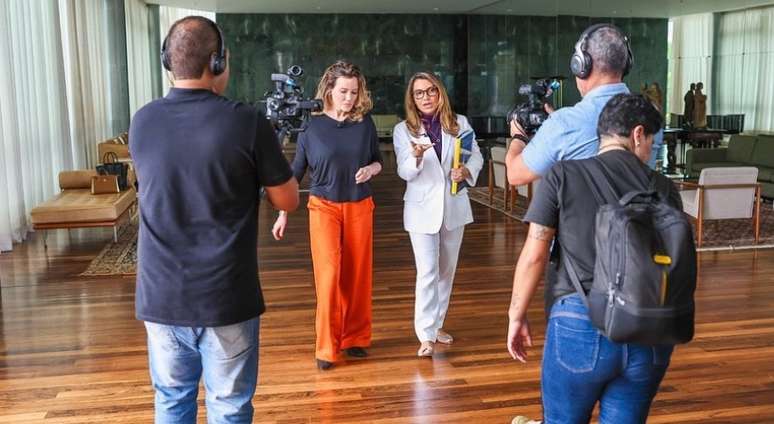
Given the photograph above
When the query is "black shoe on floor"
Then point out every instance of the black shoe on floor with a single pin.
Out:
(356, 352)
(324, 365)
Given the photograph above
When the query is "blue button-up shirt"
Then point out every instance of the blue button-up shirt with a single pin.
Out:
(570, 132)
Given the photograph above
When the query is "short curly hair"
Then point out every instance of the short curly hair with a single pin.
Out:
(624, 112)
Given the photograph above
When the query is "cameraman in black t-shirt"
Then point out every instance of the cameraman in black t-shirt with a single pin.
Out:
(201, 160)
(581, 366)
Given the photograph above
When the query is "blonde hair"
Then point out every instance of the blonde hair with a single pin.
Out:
(447, 115)
(342, 69)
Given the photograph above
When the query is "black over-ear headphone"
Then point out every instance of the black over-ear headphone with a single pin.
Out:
(217, 60)
(581, 62)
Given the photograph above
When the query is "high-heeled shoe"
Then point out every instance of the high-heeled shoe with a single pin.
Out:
(426, 349)
(323, 365)
(444, 337)
(356, 352)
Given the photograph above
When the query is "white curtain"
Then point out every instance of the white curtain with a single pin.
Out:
(59, 94)
(138, 50)
(690, 58)
(88, 75)
(167, 17)
(34, 129)
(744, 67)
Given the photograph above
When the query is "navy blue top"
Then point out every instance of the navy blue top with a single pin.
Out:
(200, 161)
(334, 151)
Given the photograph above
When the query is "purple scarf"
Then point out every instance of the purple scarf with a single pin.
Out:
(432, 124)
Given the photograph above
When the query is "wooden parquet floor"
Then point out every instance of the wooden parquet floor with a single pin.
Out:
(72, 352)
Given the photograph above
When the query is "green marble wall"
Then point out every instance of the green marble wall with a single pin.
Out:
(481, 58)
(649, 44)
(388, 49)
(505, 51)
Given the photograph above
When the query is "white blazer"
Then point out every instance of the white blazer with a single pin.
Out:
(428, 201)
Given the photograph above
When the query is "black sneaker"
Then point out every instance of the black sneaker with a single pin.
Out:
(324, 365)
(356, 352)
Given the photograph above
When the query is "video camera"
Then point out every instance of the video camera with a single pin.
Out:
(286, 107)
(531, 114)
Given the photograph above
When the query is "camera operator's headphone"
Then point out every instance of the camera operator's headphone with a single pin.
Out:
(581, 62)
(217, 60)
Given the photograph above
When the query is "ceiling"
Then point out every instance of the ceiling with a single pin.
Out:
(606, 8)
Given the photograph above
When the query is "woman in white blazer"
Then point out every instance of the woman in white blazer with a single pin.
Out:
(434, 217)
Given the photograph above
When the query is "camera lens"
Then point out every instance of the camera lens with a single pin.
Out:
(295, 71)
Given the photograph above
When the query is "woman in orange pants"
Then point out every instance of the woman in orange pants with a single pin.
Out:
(340, 147)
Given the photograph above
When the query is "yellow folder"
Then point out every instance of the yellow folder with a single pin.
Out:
(456, 161)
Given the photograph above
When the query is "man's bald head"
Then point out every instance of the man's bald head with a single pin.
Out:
(191, 43)
(608, 50)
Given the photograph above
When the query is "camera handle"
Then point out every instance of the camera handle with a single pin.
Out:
(287, 128)
(281, 134)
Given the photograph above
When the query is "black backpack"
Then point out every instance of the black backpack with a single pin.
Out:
(645, 269)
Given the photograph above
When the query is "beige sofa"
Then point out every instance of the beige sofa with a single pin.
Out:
(742, 150)
(76, 207)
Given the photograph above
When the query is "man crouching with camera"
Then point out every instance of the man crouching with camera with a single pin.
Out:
(601, 59)
(201, 160)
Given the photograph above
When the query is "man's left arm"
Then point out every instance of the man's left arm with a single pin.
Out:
(543, 216)
(518, 172)
(274, 173)
(529, 270)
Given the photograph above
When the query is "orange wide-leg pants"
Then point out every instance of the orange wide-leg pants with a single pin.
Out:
(341, 237)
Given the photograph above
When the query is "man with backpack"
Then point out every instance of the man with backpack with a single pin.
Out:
(621, 237)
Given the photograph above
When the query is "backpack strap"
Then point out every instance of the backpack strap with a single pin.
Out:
(607, 177)
(600, 198)
(575, 280)
(594, 190)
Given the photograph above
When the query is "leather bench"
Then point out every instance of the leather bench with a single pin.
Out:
(76, 207)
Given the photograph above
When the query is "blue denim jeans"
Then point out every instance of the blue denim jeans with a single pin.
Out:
(227, 358)
(581, 367)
